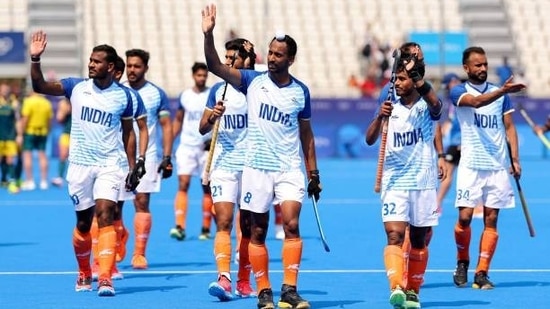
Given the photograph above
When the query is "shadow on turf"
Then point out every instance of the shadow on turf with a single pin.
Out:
(17, 244)
(170, 265)
(141, 289)
(457, 303)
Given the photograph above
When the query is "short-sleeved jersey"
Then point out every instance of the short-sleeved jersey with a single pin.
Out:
(192, 104)
(231, 143)
(38, 111)
(410, 161)
(274, 112)
(8, 118)
(483, 145)
(138, 111)
(96, 121)
(157, 106)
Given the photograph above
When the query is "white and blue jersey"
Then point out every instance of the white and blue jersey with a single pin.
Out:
(410, 161)
(483, 145)
(96, 121)
(157, 106)
(138, 112)
(230, 148)
(192, 103)
(273, 128)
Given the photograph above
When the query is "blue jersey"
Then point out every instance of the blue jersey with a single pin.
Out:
(231, 143)
(96, 121)
(273, 121)
(483, 145)
(157, 105)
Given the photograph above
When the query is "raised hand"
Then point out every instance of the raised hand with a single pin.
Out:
(38, 43)
(511, 87)
(208, 18)
(385, 109)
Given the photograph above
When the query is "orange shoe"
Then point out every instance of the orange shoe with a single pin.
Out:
(121, 252)
(139, 262)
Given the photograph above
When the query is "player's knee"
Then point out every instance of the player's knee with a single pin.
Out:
(292, 228)
(395, 238)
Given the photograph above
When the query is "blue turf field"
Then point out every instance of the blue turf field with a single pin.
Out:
(38, 268)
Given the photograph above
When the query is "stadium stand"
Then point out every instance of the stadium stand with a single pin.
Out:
(329, 33)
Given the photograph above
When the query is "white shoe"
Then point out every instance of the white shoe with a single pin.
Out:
(57, 181)
(28, 185)
(43, 185)
(279, 232)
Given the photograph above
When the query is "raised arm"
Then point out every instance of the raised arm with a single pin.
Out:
(488, 98)
(39, 84)
(215, 66)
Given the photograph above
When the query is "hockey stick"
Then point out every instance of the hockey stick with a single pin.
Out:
(215, 129)
(384, 136)
(318, 220)
(521, 196)
(532, 124)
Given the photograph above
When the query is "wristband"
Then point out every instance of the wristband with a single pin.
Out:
(441, 155)
(35, 59)
(167, 158)
(424, 89)
(142, 158)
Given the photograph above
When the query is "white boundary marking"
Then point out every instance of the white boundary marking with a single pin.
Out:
(311, 271)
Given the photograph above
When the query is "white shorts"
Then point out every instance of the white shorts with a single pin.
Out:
(261, 189)
(417, 207)
(225, 186)
(89, 183)
(489, 188)
(190, 160)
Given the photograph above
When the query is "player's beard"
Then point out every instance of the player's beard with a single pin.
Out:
(478, 78)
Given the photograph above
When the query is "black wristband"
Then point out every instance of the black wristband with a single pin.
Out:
(441, 155)
(35, 59)
(142, 158)
(424, 89)
(313, 173)
(167, 158)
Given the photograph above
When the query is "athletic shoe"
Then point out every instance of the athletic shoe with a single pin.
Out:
(177, 233)
(265, 299)
(244, 289)
(121, 250)
(205, 234)
(397, 298)
(13, 188)
(83, 283)
(105, 288)
(460, 276)
(116, 274)
(28, 185)
(43, 185)
(57, 181)
(481, 281)
(95, 270)
(412, 300)
(291, 299)
(139, 262)
(221, 289)
(279, 232)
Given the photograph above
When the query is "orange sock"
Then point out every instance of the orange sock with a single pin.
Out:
(222, 252)
(106, 246)
(487, 246)
(259, 259)
(278, 214)
(244, 260)
(462, 239)
(292, 256)
(418, 261)
(406, 247)
(393, 260)
(180, 208)
(82, 244)
(94, 232)
(120, 242)
(206, 211)
(142, 229)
